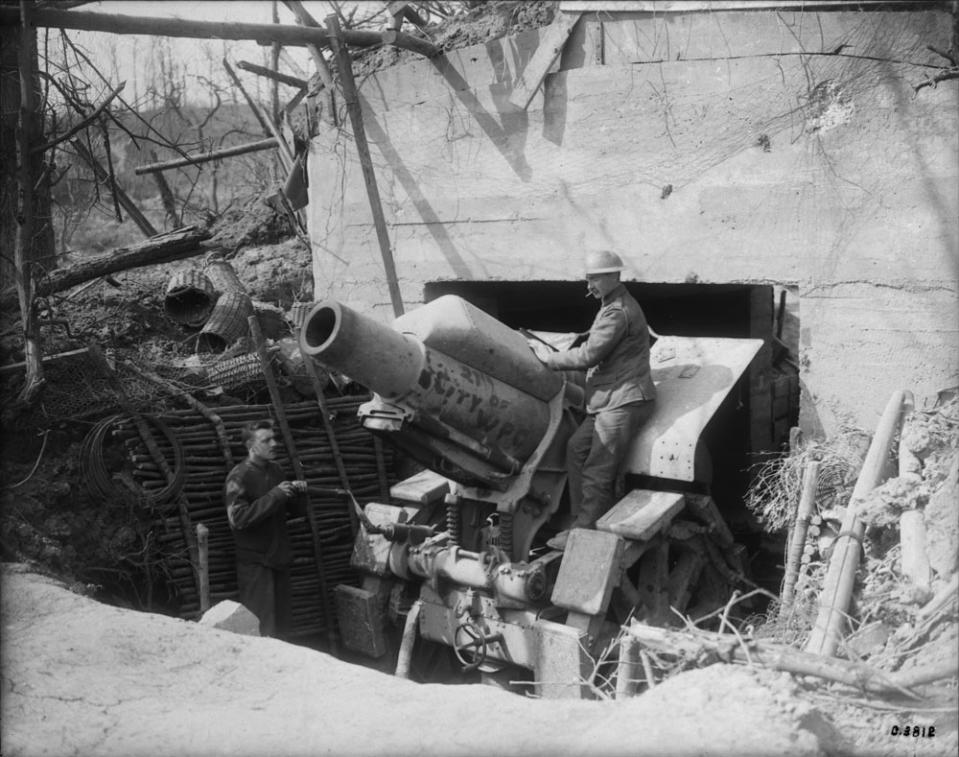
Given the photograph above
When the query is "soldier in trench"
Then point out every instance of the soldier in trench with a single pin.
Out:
(257, 497)
(619, 392)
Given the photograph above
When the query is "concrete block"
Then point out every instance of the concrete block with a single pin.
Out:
(231, 616)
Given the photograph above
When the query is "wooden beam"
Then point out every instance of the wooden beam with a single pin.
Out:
(408, 42)
(197, 158)
(122, 197)
(345, 67)
(275, 75)
(295, 36)
(551, 44)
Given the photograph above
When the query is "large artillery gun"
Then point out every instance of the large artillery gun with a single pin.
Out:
(466, 397)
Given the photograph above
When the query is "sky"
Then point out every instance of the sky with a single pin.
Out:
(145, 62)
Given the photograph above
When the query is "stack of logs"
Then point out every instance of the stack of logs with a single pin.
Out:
(207, 460)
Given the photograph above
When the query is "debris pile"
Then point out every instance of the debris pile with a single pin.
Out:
(897, 649)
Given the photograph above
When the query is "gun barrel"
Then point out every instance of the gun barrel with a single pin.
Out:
(428, 383)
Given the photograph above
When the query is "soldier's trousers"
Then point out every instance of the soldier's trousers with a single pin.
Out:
(594, 455)
(265, 592)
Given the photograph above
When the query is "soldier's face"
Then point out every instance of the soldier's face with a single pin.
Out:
(263, 445)
(598, 285)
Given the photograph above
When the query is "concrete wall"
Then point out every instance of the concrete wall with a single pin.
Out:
(710, 147)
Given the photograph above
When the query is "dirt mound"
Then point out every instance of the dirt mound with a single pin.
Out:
(79, 677)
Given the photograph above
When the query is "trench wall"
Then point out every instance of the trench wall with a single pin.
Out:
(743, 146)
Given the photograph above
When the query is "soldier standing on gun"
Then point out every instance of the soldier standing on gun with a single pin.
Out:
(257, 495)
(619, 392)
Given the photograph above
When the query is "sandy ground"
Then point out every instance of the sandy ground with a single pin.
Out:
(82, 678)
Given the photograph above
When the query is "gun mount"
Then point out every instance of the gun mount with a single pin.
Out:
(465, 396)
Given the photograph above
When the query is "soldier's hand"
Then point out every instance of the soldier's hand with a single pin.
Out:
(287, 487)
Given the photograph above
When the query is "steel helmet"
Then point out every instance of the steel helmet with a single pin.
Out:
(603, 261)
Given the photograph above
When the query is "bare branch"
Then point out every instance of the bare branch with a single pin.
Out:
(83, 124)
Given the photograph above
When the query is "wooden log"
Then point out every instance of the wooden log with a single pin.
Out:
(205, 157)
(267, 73)
(162, 248)
(122, 197)
(407, 42)
(712, 647)
(797, 541)
(174, 27)
(844, 561)
(345, 66)
(294, 36)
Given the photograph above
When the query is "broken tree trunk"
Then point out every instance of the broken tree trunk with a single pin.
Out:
(345, 67)
(841, 574)
(708, 647)
(163, 248)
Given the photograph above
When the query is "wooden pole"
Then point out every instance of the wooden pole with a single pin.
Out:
(345, 66)
(797, 541)
(293, 81)
(841, 573)
(330, 434)
(203, 565)
(275, 68)
(257, 333)
(294, 36)
(322, 67)
(122, 197)
(197, 158)
(23, 253)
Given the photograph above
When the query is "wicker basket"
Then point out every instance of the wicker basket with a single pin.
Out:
(227, 322)
(190, 297)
